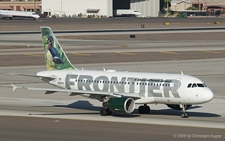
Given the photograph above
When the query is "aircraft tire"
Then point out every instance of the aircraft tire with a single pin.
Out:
(109, 112)
(103, 112)
(144, 110)
(184, 115)
(147, 109)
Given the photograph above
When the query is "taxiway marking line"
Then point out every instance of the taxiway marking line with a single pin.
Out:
(210, 51)
(168, 52)
(125, 53)
(81, 54)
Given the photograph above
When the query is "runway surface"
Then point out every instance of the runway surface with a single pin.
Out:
(109, 23)
(32, 115)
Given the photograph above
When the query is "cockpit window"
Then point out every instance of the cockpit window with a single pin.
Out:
(194, 85)
(189, 85)
(200, 85)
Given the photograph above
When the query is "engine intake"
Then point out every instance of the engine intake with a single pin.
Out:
(121, 105)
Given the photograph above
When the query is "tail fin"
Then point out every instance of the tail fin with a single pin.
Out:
(55, 57)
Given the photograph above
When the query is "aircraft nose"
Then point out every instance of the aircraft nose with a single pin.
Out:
(208, 95)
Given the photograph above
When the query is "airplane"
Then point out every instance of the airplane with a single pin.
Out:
(118, 91)
(22, 14)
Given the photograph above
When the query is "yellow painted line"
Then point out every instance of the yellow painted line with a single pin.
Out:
(210, 51)
(125, 53)
(34, 55)
(81, 54)
(168, 52)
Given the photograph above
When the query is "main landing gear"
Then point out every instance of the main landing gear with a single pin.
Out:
(105, 111)
(144, 109)
(184, 114)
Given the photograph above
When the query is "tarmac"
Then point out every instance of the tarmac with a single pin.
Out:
(33, 115)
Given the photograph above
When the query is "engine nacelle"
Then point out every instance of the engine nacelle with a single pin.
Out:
(177, 107)
(121, 105)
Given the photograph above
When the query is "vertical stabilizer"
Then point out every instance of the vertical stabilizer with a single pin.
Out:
(55, 57)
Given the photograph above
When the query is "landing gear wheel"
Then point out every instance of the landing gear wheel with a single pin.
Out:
(105, 112)
(184, 115)
(109, 112)
(144, 109)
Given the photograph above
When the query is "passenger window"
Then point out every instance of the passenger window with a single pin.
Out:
(189, 85)
(194, 85)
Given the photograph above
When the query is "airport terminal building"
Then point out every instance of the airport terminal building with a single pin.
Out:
(147, 8)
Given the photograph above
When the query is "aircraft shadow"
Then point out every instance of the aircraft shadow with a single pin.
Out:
(86, 105)
(172, 112)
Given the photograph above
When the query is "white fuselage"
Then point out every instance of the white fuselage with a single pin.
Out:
(127, 12)
(11, 14)
(152, 87)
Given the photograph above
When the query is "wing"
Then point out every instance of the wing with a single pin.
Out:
(44, 78)
(79, 92)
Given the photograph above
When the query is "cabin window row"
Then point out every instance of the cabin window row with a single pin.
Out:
(121, 82)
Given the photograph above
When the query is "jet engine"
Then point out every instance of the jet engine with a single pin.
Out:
(177, 107)
(121, 105)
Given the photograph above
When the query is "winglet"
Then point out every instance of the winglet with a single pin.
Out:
(14, 87)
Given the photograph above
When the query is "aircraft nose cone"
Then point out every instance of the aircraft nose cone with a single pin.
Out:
(209, 95)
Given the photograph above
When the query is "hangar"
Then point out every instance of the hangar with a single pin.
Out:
(147, 8)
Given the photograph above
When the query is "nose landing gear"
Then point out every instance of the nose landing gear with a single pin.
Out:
(184, 114)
